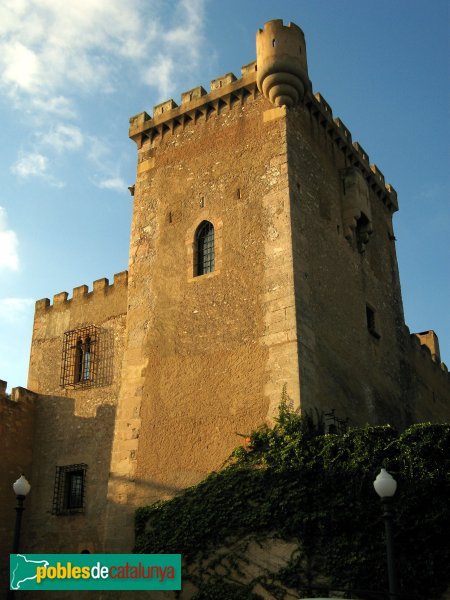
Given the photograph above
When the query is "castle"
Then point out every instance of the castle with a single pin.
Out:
(262, 257)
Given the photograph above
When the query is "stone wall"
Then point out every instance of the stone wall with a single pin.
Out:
(17, 423)
(207, 356)
(343, 365)
(428, 390)
(74, 423)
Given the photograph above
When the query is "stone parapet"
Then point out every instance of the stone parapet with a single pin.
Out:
(101, 287)
(354, 152)
(195, 103)
(426, 345)
(225, 92)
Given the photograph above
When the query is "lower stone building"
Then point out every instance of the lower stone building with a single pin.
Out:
(262, 258)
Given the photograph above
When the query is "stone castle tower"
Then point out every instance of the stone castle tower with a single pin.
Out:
(262, 257)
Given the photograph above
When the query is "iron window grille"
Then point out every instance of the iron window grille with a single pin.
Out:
(79, 361)
(205, 248)
(69, 492)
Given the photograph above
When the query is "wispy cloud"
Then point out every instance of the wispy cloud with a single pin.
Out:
(54, 55)
(116, 184)
(9, 258)
(14, 310)
(64, 137)
(30, 163)
(104, 163)
(34, 164)
(51, 49)
(160, 75)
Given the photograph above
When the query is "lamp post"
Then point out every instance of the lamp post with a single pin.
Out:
(21, 488)
(385, 486)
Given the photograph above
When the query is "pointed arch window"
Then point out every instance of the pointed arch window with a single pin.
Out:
(204, 244)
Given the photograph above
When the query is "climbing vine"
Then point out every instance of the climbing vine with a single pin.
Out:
(313, 491)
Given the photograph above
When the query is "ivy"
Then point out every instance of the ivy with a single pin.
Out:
(298, 484)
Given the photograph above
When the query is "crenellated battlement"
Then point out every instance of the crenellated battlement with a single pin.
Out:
(20, 399)
(355, 154)
(225, 92)
(81, 293)
(168, 116)
(426, 346)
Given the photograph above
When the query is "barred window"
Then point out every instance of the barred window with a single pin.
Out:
(70, 483)
(204, 243)
(78, 363)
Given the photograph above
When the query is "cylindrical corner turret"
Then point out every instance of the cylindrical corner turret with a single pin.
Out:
(282, 69)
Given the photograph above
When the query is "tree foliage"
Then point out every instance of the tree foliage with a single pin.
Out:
(297, 483)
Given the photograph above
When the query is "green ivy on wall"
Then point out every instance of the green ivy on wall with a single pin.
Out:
(295, 483)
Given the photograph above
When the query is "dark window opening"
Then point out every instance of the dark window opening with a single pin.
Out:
(87, 359)
(78, 361)
(205, 248)
(274, 43)
(371, 323)
(69, 492)
(363, 232)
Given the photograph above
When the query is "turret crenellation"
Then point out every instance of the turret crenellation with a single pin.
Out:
(324, 104)
(193, 94)
(362, 153)
(248, 69)
(343, 131)
(282, 71)
(222, 81)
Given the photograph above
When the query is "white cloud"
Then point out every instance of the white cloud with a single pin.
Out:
(30, 163)
(34, 164)
(160, 75)
(64, 137)
(58, 105)
(21, 66)
(117, 184)
(104, 163)
(14, 310)
(52, 50)
(54, 55)
(9, 258)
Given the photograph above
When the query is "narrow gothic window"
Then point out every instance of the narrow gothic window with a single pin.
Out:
(87, 359)
(371, 323)
(78, 361)
(205, 248)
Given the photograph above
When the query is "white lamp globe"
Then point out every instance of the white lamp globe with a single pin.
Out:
(384, 484)
(21, 487)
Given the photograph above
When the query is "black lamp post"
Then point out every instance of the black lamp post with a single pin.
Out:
(21, 488)
(385, 486)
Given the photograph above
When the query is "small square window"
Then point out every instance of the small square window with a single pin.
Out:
(70, 483)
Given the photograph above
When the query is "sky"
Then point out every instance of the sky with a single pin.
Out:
(73, 72)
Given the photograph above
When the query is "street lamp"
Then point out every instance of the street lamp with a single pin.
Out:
(385, 486)
(21, 488)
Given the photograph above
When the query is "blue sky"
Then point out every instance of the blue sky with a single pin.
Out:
(73, 72)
